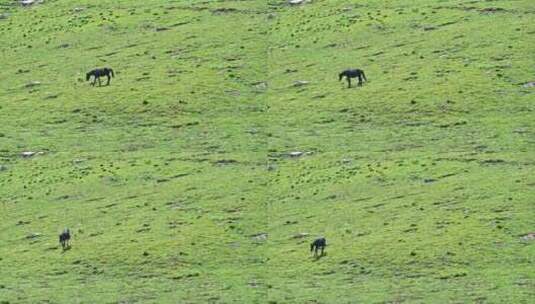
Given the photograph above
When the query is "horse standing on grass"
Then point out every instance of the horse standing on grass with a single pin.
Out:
(318, 244)
(352, 73)
(97, 73)
(64, 238)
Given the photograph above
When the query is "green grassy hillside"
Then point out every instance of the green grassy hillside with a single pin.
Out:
(181, 180)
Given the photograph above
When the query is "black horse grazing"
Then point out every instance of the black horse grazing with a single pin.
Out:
(64, 238)
(318, 244)
(97, 73)
(352, 73)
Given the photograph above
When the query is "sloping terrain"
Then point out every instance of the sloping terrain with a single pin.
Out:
(225, 144)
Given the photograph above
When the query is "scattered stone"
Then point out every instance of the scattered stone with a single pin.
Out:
(3, 168)
(28, 154)
(30, 2)
(298, 2)
(262, 85)
(530, 84)
(298, 154)
(260, 237)
(300, 83)
(529, 237)
(78, 9)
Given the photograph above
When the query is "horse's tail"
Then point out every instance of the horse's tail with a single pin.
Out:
(111, 71)
(311, 247)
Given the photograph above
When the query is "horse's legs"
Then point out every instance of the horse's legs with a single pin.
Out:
(348, 82)
(94, 81)
(360, 80)
(99, 83)
(108, 79)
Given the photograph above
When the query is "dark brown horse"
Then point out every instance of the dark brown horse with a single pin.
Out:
(318, 244)
(97, 73)
(352, 73)
(64, 238)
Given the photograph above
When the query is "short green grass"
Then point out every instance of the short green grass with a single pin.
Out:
(177, 180)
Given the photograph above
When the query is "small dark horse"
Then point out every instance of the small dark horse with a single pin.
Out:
(97, 73)
(64, 238)
(318, 244)
(352, 73)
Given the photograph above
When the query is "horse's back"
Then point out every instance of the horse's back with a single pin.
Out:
(320, 242)
(65, 235)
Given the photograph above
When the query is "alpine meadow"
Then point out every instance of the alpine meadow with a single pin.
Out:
(213, 151)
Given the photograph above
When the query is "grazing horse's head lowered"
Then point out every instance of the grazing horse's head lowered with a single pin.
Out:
(352, 73)
(97, 73)
(318, 244)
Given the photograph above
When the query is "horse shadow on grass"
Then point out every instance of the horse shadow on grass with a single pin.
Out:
(316, 258)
